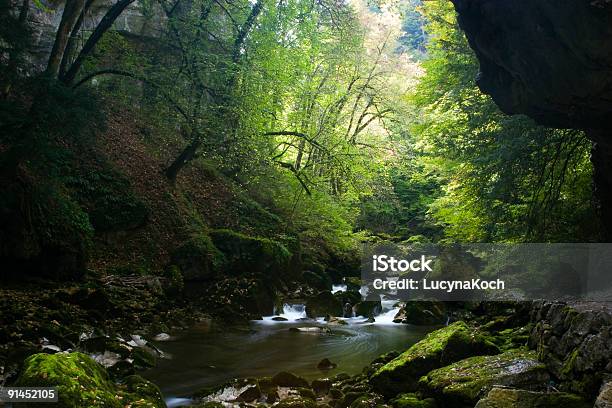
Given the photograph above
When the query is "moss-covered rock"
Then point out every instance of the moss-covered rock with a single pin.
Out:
(464, 382)
(255, 255)
(422, 313)
(81, 382)
(412, 400)
(197, 258)
(500, 397)
(439, 348)
(296, 402)
(323, 304)
(367, 401)
(144, 389)
(286, 379)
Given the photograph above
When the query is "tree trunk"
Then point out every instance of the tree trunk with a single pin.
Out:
(185, 157)
(72, 40)
(107, 21)
(601, 157)
(72, 11)
(300, 154)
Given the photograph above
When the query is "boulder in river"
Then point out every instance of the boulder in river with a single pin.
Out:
(280, 319)
(501, 397)
(437, 349)
(368, 308)
(252, 393)
(326, 364)
(335, 321)
(461, 384)
(322, 304)
(286, 379)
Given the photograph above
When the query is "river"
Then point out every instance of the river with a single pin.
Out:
(202, 357)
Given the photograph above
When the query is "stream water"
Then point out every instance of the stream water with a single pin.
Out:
(201, 357)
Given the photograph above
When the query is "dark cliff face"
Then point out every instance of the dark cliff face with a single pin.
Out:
(549, 59)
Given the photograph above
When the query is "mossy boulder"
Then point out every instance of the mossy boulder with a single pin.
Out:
(254, 255)
(500, 397)
(422, 313)
(367, 401)
(81, 382)
(368, 308)
(437, 349)
(464, 382)
(323, 304)
(296, 402)
(349, 296)
(286, 379)
(197, 258)
(412, 400)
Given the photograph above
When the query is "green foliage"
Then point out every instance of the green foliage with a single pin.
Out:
(108, 198)
(503, 178)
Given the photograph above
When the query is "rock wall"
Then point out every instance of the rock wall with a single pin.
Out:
(575, 342)
(134, 21)
(549, 59)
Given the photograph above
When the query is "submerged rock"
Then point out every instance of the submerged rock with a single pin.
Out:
(325, 364)
(464, 382)
(439, 348)
(500, 397)
(81, 382)
(279, 319)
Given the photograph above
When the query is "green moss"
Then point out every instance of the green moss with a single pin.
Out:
(464, 381)
(108, 198)
(411, 400)
(296, 402)
(255, 254)
(514, 398)
(198, 258)
(570, 363)
(81, 382)
(511, 338)
(439, 348)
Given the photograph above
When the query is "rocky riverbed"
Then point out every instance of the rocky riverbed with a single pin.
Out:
(92, 342)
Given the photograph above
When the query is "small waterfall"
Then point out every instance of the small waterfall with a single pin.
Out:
(388, 312)
(291, 312)
(386, 317)
(339, 288)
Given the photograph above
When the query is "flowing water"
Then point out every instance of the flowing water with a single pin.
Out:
(201, 357)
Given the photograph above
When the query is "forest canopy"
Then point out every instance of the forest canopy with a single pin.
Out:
(341, 122)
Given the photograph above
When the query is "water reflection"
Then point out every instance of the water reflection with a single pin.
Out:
(202, 357)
